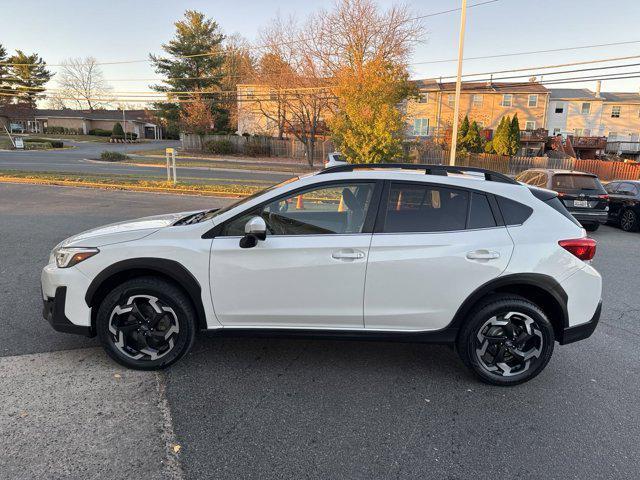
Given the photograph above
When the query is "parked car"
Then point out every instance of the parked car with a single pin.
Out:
(334, 159)
(624, 204)
(423, 253)
(581, 192)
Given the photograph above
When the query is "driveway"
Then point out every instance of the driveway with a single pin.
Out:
(285, 408)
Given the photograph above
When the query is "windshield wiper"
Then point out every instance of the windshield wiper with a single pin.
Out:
(196, 217)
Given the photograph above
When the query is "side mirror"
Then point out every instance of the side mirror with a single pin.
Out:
(254, 230)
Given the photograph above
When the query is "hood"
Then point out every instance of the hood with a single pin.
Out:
(122, 231)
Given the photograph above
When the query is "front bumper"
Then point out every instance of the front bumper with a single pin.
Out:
(582, 331)
(53, 312)
(590, 216)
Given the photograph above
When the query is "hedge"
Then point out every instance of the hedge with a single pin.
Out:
(54, 143)
(222, 147)
(110, 156)
(37, 145)
(100, 132)
(64, 131)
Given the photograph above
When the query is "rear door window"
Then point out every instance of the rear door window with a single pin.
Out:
(425, 208)
(480, 214)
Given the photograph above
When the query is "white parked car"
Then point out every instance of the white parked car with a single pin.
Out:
(335, 159)
(416, 253)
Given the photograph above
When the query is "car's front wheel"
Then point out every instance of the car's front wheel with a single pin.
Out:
(146, 323)
(507, 340)
(629, 221)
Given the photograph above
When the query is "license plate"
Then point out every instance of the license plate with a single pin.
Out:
(581, 203)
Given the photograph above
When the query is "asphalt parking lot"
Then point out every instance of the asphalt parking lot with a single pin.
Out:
(288, 408)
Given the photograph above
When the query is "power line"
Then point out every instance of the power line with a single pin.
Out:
(208, 54)
(531, 52)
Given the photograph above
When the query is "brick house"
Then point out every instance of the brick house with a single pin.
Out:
(431, 115)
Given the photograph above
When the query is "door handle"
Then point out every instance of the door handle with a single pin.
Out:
(347, 255)
(483, 255)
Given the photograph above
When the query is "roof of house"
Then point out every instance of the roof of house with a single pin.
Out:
(622, 97)
(140, 115)
(485, 87)
(571, 93)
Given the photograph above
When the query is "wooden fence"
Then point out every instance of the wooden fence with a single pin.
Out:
(605, 170)
(261, 146)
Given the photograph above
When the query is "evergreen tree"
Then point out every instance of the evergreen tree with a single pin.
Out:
(5, 85)
(118, 131)
(501, 139)
(29, 75)
(514, 136)
(473, 140)
(462, 134)
(194, 63)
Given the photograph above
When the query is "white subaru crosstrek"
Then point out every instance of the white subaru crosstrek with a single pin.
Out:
(460, 256)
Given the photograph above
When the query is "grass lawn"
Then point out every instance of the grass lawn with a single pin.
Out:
(86, 138)
(127, 182)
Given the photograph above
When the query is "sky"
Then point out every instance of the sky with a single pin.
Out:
(130, 30)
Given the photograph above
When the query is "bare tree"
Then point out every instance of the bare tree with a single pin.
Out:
(238, 67)
(297, 97)
(81, 80)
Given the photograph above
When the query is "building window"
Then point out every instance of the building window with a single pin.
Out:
(420, 127)
(423, 97)
(476, 100)
(507, 100)
(559, 107)
(615, 111)
(249, 93)
(613, 135)
(451, 99)
(586, 108)
(530, 125)
(577, 132)
(556, 131)
(533, 100)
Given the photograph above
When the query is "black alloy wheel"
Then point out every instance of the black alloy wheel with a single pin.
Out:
(629, 220)
(507, 340)
(146, 323)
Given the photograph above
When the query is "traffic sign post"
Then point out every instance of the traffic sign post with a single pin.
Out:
(170, 155)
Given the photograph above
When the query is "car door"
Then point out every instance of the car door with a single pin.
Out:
(431, 248)
(309, 271)
(615, 200)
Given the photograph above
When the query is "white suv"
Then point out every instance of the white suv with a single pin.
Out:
(421, 253)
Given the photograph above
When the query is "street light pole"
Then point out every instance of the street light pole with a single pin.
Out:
(456, 108)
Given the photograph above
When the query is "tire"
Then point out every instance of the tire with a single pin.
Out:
(591, 227)
(493, 329)
(629, 220)
(146, 323)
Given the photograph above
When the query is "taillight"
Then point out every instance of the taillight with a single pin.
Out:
(561, 194)
(605, 196)
(583, 248)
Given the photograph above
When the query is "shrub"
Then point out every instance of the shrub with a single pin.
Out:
(110, 156)
(100, 132)
(37, 145)
(54, 143)
(63, 131)
(222, 147)
(255, 149)
(118, 131)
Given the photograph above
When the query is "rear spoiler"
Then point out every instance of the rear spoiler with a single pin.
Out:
(542, 193)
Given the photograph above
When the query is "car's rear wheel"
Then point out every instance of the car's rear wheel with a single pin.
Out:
(146, 323)
(507, 340)
(629, 221)
(591, 227)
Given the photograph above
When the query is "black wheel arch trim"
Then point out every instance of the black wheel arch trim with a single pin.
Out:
(169, 268)
(539, 280)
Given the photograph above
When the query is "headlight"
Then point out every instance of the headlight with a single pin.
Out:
(70, 256)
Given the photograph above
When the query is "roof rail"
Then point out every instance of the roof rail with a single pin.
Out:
(489, 175)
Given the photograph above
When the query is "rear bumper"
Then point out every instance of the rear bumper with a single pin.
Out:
(590, 216)
(582, 331)
(53, 312)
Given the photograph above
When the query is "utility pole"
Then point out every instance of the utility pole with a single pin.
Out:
(456, 108)
(124, 124)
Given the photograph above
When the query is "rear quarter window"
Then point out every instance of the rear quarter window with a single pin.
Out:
(513, 213)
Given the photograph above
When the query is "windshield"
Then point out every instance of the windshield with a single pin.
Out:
(576, 182)
(251, 197)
